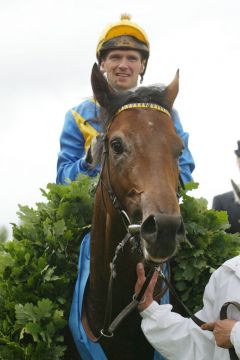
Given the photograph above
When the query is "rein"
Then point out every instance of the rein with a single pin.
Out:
(109, 327)
(223, 316)
(197, 321)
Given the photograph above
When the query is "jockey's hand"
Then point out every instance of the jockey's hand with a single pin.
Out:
(221, 331)
(148, 296)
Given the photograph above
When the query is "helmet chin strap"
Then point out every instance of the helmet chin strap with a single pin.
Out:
(143, 71)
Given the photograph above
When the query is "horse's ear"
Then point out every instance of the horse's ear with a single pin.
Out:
(102, 91)
(171, 91)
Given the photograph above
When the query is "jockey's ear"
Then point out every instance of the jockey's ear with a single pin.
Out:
(102, 91)
(102, 69)
(142, 67)
(171, 91)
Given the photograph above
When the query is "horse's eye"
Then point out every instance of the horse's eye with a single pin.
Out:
(180, 153)
(117, 146)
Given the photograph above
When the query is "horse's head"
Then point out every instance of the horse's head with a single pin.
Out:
(141, 165)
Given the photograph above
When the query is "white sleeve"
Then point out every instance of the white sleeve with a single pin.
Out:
(176, 337)
(209, 298)
(235, 337)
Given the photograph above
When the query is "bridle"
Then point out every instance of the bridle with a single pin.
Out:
(132, 231)
(105, 162)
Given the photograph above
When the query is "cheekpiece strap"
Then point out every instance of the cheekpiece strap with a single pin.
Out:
(143, 106)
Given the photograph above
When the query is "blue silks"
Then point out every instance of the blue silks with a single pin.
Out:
(88, 349)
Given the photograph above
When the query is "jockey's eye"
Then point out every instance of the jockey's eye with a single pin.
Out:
(117, 146)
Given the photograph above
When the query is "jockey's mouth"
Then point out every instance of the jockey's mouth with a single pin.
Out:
(122, 75)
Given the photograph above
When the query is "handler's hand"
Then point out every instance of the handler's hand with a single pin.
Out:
(221, 330)
(148, 296)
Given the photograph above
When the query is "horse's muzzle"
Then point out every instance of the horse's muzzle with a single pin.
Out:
(160, 235)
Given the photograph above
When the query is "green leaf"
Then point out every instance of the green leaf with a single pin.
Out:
(59, 227)
(33, 329)
(44, 308)
(25, 313)
(49, 275)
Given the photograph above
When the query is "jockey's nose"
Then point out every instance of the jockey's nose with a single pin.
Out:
(123, 64)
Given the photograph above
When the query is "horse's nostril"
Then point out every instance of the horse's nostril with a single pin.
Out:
(160, 234)
(148, 228)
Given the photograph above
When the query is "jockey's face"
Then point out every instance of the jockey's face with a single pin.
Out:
(122, 68)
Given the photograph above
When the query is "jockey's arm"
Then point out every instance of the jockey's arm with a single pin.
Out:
(73, 146)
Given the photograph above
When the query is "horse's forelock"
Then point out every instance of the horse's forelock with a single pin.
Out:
(149, 94)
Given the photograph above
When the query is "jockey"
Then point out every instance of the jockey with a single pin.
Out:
(122, 52)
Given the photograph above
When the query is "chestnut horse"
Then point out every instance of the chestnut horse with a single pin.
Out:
(138, 185)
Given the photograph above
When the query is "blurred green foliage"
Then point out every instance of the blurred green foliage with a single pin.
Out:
(38, 271)
(3, 234)
(207, 246)
(38, 267)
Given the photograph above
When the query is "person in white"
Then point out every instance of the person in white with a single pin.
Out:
(179, 338)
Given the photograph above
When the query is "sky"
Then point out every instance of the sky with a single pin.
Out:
(47, 50)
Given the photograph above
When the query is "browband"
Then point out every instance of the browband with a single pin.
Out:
(143, 106)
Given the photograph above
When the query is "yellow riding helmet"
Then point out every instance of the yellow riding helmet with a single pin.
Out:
(123, 35)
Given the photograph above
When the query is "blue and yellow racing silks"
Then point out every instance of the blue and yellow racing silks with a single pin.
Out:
(80, 127)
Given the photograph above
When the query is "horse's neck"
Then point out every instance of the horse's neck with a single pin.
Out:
(107, 232)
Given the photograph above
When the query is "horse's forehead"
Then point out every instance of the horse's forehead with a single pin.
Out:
(137, 127)
(140, 120)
